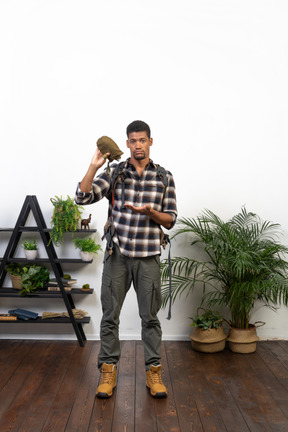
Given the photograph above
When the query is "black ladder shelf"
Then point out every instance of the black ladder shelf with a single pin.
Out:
(31, 204)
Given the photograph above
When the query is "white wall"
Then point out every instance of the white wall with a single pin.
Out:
(209, 76)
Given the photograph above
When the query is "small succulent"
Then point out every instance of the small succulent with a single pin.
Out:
(30, 245)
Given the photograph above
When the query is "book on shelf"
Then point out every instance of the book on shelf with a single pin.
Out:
(23, 314)
(57, 288)
(64, 281)
(8, 317)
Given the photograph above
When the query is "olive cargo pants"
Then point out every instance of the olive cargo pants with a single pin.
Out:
(118, 273)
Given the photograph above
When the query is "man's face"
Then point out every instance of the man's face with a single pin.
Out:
(139, 145)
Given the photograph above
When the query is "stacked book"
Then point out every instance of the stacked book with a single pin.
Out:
(7, 317)
(53, 284)
(23, 314)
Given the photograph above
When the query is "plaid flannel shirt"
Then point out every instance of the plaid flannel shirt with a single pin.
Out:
(137, 235)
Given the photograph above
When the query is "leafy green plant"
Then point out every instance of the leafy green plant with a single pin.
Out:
(14, 269)
(30, 245)
(66, 215)
(87, 245)
(33, 277)
(208, 320)
(86, 287)
(241, 262)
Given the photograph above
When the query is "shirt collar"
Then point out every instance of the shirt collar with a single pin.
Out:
(150, 164)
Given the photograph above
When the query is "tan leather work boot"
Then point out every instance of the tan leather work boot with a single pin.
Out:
(107, 381)
(154, 382)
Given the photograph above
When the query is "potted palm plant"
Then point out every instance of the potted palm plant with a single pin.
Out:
(88, 247)
(66, 215)
(241, 262)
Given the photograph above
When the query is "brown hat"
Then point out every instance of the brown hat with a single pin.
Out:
(107, 145)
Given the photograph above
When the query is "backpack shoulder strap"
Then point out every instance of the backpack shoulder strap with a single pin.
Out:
(116, 175)
(118, 171)
(162, 174)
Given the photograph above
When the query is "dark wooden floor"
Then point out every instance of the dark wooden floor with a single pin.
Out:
(50, 386)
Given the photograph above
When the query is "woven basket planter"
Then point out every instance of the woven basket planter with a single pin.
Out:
(243, 341)
(208, 341)
(16, 282)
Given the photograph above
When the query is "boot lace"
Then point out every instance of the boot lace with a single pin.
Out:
(156, 377)
(106, 377)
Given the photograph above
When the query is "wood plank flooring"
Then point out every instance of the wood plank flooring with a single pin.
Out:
(50, 386)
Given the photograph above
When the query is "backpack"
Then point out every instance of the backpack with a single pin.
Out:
(109, 229)
(119, 173)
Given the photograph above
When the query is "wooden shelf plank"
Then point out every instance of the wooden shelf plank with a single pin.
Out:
(11, 292)
(46, 260)
(35, 229)
(39, 320)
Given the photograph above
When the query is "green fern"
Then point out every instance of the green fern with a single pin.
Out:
(66, 215)
(87, 245)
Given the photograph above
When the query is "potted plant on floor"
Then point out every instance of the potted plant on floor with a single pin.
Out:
(208, 334)
(66, 215)
(30, 248)
(241, 262)
(88, 248)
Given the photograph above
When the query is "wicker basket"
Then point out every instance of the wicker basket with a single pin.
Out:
(16, 282)
(243, 341)
(208, 341)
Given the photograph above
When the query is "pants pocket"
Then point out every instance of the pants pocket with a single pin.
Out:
(149, 297)
(106, 292)
(156, 298)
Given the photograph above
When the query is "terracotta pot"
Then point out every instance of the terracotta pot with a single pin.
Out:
(243, 341)
(208, 341)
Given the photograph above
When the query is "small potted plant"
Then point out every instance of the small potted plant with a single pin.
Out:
(27, 278)
(66, 215)
(15, 270)
(30, 248)
(208, 334)
(88, 247)
(86, 287)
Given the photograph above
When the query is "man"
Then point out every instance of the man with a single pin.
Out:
(135, 231)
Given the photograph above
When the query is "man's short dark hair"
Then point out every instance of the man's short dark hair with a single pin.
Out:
(138, 126)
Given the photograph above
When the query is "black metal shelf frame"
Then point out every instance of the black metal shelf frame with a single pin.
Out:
(11, 292)
(31, 204)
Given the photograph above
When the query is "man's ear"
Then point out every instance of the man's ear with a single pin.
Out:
(151, 141)
(127, 143)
